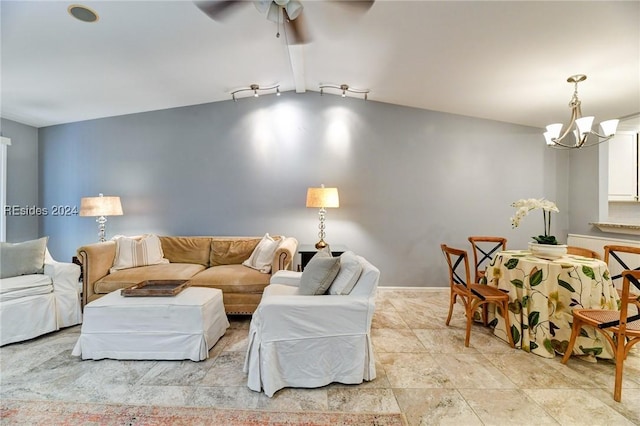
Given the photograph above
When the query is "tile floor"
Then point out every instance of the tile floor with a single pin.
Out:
(424, 371)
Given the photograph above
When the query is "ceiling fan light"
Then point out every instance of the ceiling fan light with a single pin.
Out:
(584, 124)
(293, 8)
(554, 130)
(609, 127)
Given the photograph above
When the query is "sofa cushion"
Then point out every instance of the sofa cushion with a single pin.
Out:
(262, 255)
(350, 270)
(24, 285)
(187, 249)
(22, 258)
(135, 252)
(232, 279)
(231, 250)
(132, 276)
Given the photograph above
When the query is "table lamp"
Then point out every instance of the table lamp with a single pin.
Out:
(322, 198)
(100, 206)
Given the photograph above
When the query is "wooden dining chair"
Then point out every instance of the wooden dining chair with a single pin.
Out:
(473, 295)
(584, 252)
(614, 257)
(484, 249)
(620, 330)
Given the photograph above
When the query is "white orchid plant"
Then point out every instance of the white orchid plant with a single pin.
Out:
(524, 206)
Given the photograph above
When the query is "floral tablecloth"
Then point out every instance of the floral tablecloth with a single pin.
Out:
(542, 294)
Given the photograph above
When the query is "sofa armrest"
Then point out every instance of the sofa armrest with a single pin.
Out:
(65, 276)
(283, 257)
(96, 261)
(290, 278)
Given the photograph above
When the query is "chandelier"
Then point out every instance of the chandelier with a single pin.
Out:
(582, 129)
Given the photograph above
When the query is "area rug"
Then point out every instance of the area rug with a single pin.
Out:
(15, 412)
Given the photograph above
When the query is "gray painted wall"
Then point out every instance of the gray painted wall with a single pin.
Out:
(409, 179)
(22, 179)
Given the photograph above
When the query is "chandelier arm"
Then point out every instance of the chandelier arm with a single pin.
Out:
(583, 145)
(558, 144)
(575, 114)
(605, 137)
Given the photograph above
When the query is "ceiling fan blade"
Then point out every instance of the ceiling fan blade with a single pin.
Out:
(294, 9)
(217, 9)
(273, 13)
(296, 29)
(262, 5)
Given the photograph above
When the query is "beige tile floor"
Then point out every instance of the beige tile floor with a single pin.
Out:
(424, 371)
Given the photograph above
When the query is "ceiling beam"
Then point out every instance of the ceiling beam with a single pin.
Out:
(296, 59)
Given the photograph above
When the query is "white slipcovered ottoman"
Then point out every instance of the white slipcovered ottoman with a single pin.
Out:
(184, 326)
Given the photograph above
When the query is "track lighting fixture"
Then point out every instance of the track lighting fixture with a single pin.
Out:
(344, 88)
(256, 90)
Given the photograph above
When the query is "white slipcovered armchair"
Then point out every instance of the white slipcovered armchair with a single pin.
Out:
(310, 341)
(32, 304)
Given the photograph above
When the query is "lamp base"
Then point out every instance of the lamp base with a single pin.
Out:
(321, 244)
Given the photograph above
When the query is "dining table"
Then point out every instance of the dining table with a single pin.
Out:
(542, 294)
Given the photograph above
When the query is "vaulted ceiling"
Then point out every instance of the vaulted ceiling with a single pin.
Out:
(502, 60)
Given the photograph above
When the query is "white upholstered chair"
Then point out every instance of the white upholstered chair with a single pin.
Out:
(310, 341)
(32, 304)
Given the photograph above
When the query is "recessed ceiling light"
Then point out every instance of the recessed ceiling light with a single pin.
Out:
(82, 13)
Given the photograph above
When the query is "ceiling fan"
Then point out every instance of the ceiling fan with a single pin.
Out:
(287, 13)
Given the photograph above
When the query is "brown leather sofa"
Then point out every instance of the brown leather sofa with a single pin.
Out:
(214, 262)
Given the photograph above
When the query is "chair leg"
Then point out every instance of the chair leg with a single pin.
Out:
(619, 357)
(452, 301)
(469, 320)
(485, 314)
(507, 323)
(575, 331)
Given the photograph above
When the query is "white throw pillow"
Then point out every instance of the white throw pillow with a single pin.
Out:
(262, 255)
(350, 270)
(318, 274)
(132, 252)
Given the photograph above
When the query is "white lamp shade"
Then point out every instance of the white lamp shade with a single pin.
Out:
(323, 197)
(609, 127)
(584, 124)
(554, 130)
(100, 206)
(547, 137)
(577, 136)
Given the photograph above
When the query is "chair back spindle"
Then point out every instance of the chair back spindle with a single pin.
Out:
(484, 248)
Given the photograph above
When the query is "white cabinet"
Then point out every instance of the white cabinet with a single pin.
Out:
(624, 179)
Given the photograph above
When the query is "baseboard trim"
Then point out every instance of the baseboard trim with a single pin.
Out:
(392, 288)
